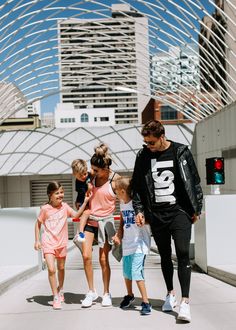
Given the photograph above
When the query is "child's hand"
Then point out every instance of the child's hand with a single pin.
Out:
(140, 220)
(116, 239)
(88, 195)
(90, 187)
(37, 245)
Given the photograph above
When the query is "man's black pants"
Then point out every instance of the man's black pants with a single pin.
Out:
(180, 230)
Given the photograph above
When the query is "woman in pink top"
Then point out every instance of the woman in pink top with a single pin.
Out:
(53, 216)
(102, 206)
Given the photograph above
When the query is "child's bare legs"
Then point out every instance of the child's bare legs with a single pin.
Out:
(61, 272)
(143, 291)
(50, 260)
(129, 298)
(128, 284)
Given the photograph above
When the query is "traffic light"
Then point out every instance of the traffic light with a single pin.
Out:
(215, 171)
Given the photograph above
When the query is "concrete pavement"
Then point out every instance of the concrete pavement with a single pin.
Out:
(27, 305)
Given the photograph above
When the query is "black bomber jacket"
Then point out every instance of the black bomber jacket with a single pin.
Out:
(142, 181)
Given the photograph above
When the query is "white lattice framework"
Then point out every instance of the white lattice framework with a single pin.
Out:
(29, 47)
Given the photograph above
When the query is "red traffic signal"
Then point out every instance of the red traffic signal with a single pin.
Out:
(215, 172)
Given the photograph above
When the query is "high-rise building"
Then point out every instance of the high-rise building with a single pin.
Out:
(175, 79)
(15, 111)
(217, 51)
(104, 63)
(176, 68)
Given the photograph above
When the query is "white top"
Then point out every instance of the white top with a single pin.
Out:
(135, 239)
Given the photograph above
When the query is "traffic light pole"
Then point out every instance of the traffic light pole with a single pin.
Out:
(215, 189)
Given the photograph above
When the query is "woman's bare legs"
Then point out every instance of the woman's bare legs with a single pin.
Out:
(104, 262)
(87, 259)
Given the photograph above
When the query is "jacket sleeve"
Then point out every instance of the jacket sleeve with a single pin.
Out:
(137, 185)
(196, 182)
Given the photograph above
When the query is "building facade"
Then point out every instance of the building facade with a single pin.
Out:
(213, 53)
(15, 111)
(100, 56)
(175, 80)
(176, 68)
(67, 116)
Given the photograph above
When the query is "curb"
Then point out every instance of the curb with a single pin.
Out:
(19, 277)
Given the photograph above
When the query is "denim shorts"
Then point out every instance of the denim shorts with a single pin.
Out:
(133, 266)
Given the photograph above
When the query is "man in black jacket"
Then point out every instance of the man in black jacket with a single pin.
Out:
(168, 195)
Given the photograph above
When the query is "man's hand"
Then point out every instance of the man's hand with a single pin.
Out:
(195, 218)
(140, 220)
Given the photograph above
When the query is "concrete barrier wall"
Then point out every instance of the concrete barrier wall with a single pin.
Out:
(215, 136)
(215, 232)
(17, 236)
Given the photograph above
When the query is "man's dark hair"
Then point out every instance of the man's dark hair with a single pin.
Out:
(153, 127)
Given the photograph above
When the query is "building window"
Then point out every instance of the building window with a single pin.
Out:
(67, 120)
(168, 113)
(84, 118)
(104, 118)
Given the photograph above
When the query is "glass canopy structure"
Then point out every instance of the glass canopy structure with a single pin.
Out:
(31, 57)
(51, 151)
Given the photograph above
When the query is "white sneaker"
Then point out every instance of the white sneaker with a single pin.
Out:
(169, 303)
(184, 312)
(106, 300)
(90, 297)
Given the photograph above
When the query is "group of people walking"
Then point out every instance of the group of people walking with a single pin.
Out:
(163, 198)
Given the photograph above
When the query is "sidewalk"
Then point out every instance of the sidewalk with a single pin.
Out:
(28, 305)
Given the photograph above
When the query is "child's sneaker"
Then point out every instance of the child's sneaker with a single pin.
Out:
(78, 240)
(146, 308)
(56, 302)
(169, 303)
(127, 301)
(81, 237)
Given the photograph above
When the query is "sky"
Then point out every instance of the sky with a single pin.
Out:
(28, 36)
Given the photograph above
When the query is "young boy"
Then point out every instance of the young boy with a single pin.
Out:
(83, 187)
(135, 245)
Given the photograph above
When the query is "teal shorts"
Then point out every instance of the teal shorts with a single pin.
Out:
(133, 266)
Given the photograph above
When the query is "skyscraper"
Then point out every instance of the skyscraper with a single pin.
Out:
(104, 63)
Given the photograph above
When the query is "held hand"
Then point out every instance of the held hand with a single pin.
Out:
(116, 239)
(90, 187)
(195, 218)
(88, 195)
(140, 220)
(37, 245)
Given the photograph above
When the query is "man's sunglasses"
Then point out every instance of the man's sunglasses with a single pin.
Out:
(150, 143)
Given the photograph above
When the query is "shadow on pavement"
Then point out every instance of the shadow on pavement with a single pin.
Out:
(42, 300)
(70, 298)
